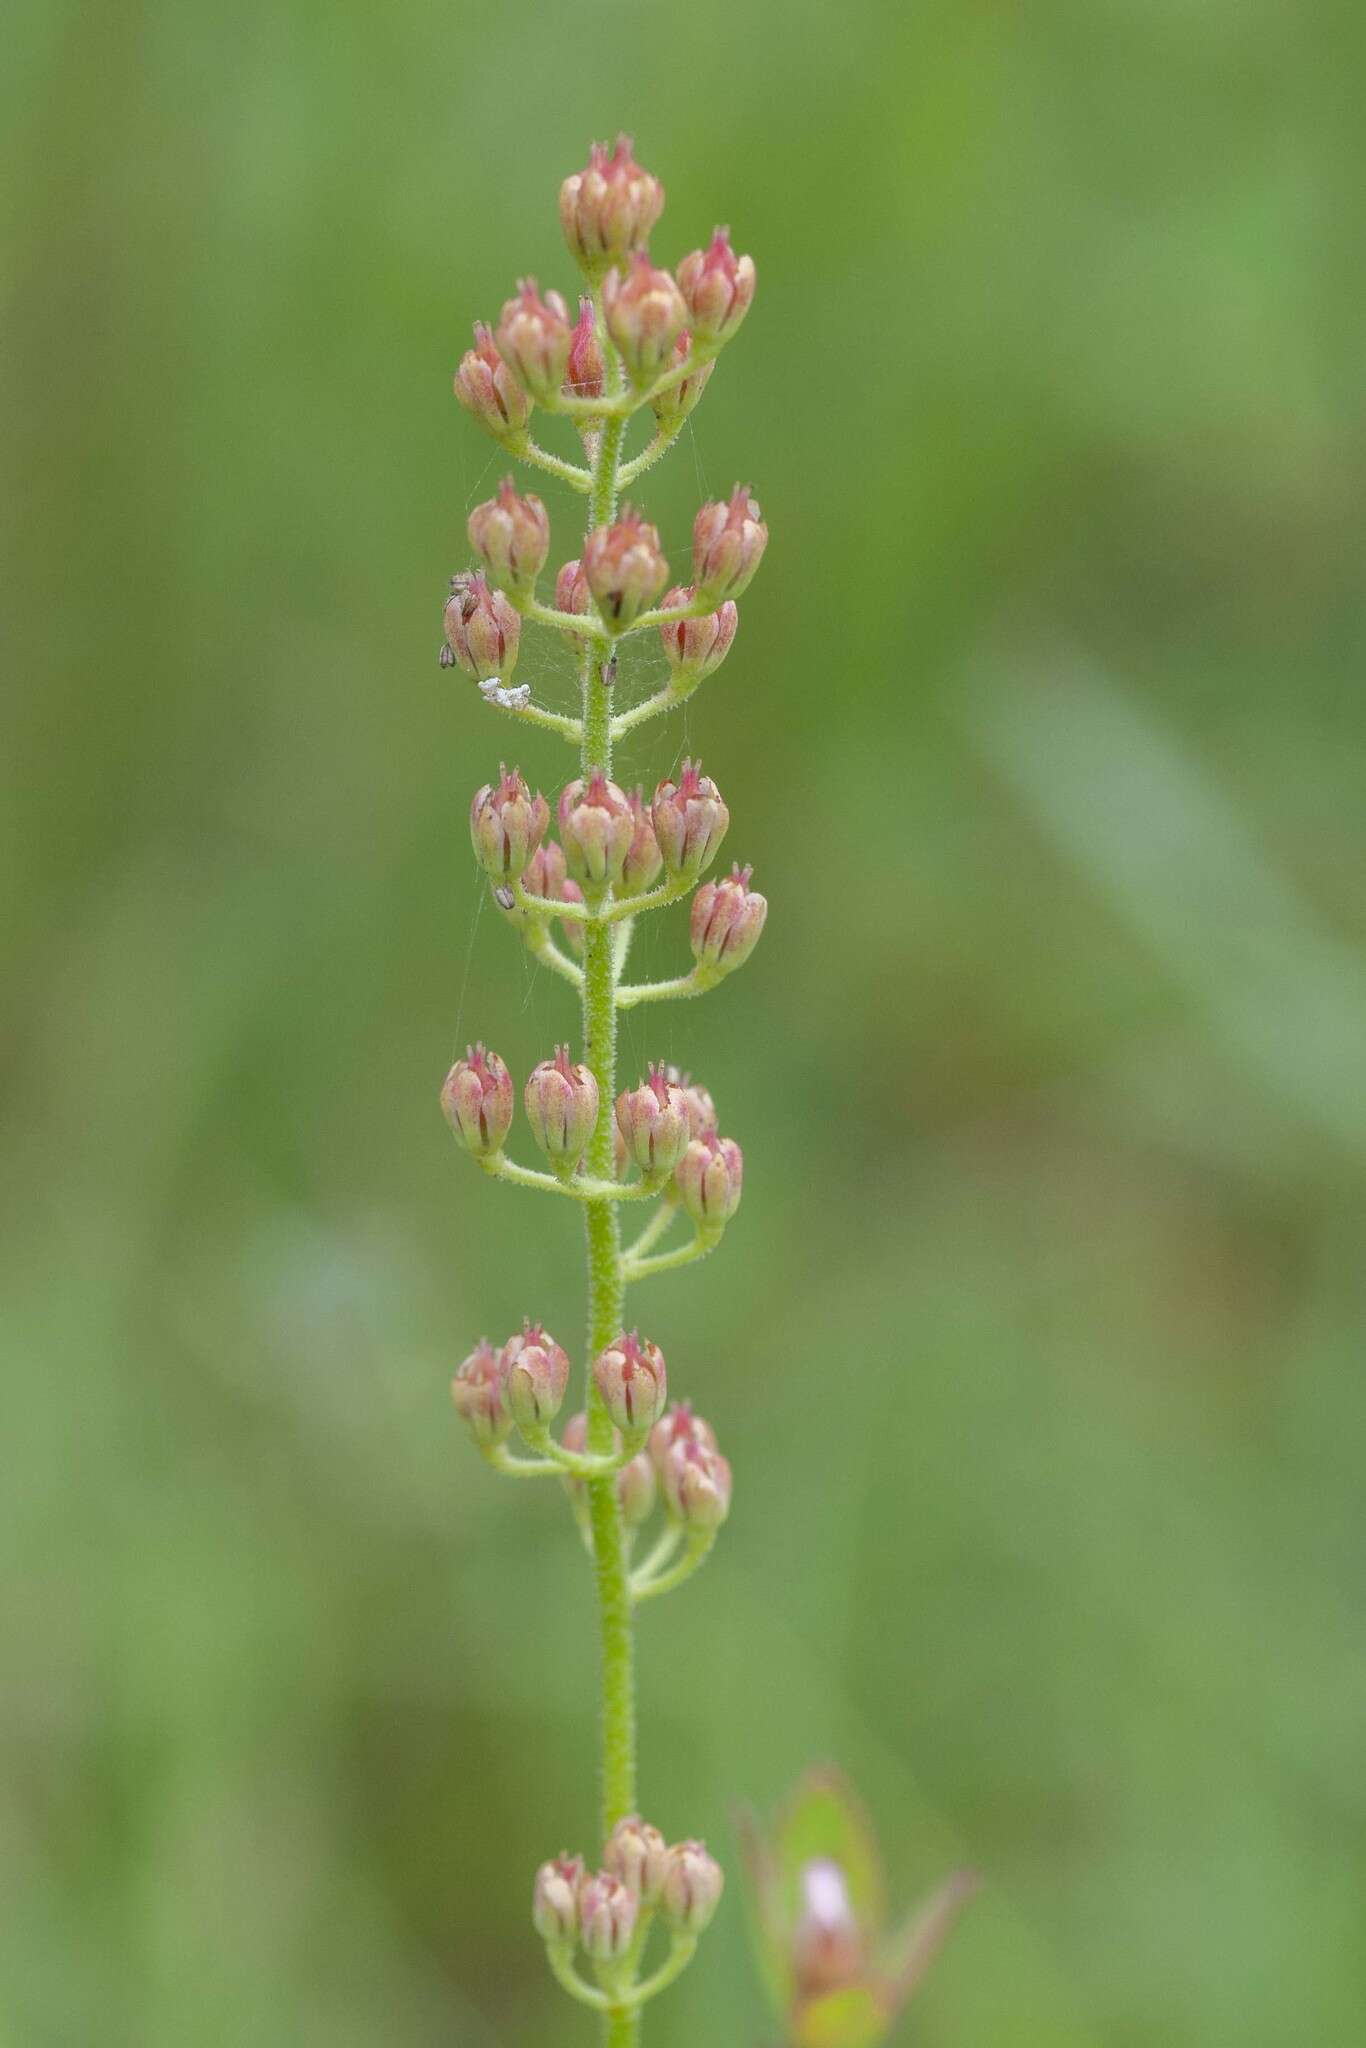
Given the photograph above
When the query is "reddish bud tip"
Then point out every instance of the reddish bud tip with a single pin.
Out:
(726, 920)
(717, 287)
(644, 312)
(597, 828)
(482, 629)
(624, 567)
(608, 209)
(488, 390)
(561, 1102)
(631, 1379)
(507, 824)
(477, 1393)
(728, 543)
(533, 337)
(476, 1099)
(535, 1373)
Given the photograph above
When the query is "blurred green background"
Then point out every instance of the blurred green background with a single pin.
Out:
(1038, 1343)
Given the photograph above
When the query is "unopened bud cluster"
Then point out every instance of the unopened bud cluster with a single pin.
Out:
(604, 1911)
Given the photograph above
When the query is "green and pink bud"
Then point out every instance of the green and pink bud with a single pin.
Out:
(507, 825)
(584, 374)
(608, 209)
(561, 1102)
(624, 567)
(679, 1426)
(573, 595)
(652, 1119)
(673, 404)
(694, 647)
(692, 1888)
(488, 390)
(597, 830)
(728, 543)
(477, 1101)
(638, 1855)
(717, 287)
(477, 1392)
(630, 1377)
(608, 1911)
(690, 820)
(555, 1901)
(640, 870)
(709, 1178)
(545, 878)
(637, 1487)
(726, 920)
(696, 1486)
(511, 536)
(482, 629)
(644, 312)
(535, 1374)
(533, 337)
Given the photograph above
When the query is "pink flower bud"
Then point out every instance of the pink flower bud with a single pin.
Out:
(679, 1426)
(717, 287)
(694, 647)
(638, 1855)
(476, 1097)
(487, 388)
(507, 824)
(728, 543)
(535, 1374)
(545, 878)
(584, 371)
(653, 1120)
(678, 400)
(709, 1177)
(827, 1943)
(690, 821)
(555, 1900)
(608, 209)
(533, 337)
(482, 629)
(701, 1109)
(637, 1486)
(624, 567)
(643, 859)
(696, 1485)
(631, 1379)
(644, 312)
(573, 595)
(478, 1395)
(726, 920)
(693, 1884)
(607, 1917)
(597, 829)
(511, 536)
(561, 1101)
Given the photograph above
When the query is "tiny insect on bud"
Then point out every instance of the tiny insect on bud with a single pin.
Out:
(488, 390)
(709, 1177)
(637, 1486)
(533, 337)
(511, 536)
(645, 313)
(478, 1395)
(694, 647)
(584, 371)
(673, 404)
(643, 859)
(728, 543)
(555, 1901)
(717, 287)
(690, 820)
(696, 1485)
(653, 1120)
(638, 1855)
(630, 1377)
(607, 1916)
(693, 1884)
(477, 1101)
(679, 1426)
(535, 1374)
(561, 1102)
(624, 567)
(608, 209)
(482, 629)
(726, 920)
(507, 824)
(597, 829)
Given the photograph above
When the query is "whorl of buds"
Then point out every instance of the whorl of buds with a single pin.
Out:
(555, 1900)
(482, 629)
(696, 1486)
(709, 1178)
(678, 399)
(608, 209)
(607, 1916)
(631, 1379)
(653, 1121)
(477, 1101)
(637, 1486)
(535, 1373)
(728, 543)
(561, 1102)
(694, 647)
(477, 1391)
(638, 1855)
(726, 920)
(690, 821)
(644, 312)
(597, 829)
(584, 371)
(692, 1889)
(624, 567)
(717, 287)
(487, 388)
(534, 336)
(679, 1426)
(507, 824)
(511, 536)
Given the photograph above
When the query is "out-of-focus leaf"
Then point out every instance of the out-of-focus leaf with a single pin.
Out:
(824, 1820)
(854, 2018)
(770, 1933)
(914, 1945)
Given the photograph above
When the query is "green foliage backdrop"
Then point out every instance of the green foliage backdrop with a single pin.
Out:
(1038, 1343)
